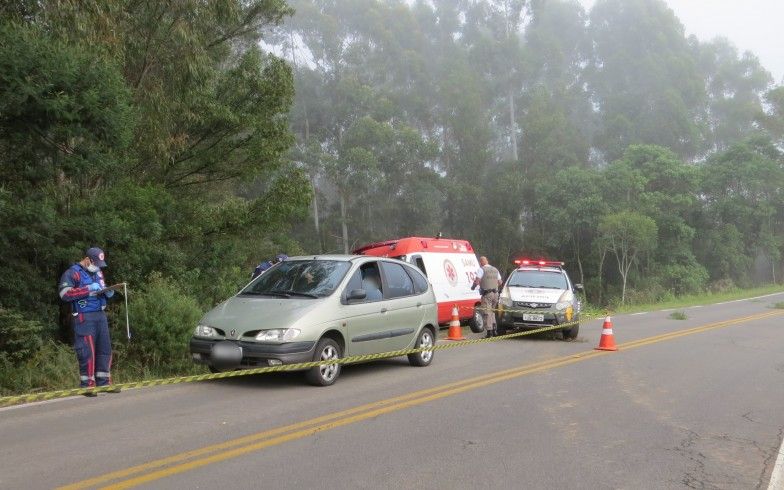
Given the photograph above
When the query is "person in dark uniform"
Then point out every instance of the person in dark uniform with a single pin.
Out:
(81, 286)
(266, 265)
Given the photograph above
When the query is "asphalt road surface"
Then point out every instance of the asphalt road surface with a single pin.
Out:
(695, 403)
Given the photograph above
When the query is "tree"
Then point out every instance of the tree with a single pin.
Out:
(644, 78)
(627, 235)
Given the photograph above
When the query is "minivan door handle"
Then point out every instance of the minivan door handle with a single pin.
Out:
(383, 310)
(419, 304)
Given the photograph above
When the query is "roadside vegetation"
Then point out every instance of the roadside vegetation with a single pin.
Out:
(193, 139)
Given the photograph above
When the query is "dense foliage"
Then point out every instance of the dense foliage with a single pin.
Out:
(191, 139)
(537, 128)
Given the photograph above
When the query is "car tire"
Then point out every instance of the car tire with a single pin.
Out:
(571, 333)
(500, 329)
(477, 323)
(214, 370)
(326, 348)
(424, 340)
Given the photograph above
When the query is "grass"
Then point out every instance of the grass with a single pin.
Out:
(702, 299)
(779, 305)
(678, 315)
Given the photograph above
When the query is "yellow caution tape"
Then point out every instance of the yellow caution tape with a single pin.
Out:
(50, 395)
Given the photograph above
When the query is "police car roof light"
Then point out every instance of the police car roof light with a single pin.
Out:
(538, 262)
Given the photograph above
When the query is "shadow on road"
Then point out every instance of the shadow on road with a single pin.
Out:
(287, 379)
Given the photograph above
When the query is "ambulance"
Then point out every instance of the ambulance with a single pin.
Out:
(450, 266)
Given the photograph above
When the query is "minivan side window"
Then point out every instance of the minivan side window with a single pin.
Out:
(398, 281)
(367, 278)
(420, 282)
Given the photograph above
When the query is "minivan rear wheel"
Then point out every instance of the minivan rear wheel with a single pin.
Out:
(424, 341)
(325, 374)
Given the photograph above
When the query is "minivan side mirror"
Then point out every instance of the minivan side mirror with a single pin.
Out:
(356, 295)
(579, 288)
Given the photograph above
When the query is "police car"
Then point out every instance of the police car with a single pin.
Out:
(539, 293)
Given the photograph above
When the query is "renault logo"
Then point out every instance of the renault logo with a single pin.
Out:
(233, 333)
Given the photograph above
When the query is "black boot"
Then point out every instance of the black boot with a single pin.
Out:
(490, 334)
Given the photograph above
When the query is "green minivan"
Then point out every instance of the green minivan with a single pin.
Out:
(320, 308)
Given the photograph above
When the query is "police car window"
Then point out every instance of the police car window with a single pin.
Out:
(397, 279)
(538, 279)
(300, 278)
(420, 282)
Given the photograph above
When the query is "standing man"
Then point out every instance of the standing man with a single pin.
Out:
(489, 281)
(80, 286)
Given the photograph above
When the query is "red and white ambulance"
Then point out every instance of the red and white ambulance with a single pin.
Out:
(450, 265)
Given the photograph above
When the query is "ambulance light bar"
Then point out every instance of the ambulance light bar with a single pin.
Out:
(538, 262)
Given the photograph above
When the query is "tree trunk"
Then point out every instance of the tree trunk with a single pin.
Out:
(343, 224)
(601, 270)
(316, 222)
(513, 125)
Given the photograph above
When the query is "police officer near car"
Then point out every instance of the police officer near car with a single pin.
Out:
(489, 281)
(83, 286)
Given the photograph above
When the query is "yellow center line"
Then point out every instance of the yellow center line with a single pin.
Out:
(255, 442)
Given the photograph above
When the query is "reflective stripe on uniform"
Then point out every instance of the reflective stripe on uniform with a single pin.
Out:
(102, 374)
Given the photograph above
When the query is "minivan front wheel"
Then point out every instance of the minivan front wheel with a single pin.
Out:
(325, 374)
(424, 341)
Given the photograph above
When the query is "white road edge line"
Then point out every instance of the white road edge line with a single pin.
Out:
(668, 309)
(777, 476)
(35, 404)
(640, 313)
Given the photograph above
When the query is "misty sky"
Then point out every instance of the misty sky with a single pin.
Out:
(752, 25)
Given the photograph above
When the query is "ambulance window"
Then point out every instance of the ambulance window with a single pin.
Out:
(420, 264)
(397, 281)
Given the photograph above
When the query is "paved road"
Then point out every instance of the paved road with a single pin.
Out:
(684, 404)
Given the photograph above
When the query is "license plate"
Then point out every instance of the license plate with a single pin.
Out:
(227, 352)
(530, 317)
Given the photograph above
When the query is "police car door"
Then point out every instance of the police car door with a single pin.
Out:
(364, 318)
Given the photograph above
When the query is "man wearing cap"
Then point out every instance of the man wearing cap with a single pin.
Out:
(80, 286)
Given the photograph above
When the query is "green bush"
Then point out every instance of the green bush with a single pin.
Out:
(162, 319)
(52, 366)
(684, 279)
(20, 338)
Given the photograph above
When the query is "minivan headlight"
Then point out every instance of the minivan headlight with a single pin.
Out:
(205, 331)
(278, 335)
(564, 301)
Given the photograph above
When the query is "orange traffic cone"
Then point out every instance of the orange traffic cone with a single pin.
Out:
(455, 332)
(607, 341)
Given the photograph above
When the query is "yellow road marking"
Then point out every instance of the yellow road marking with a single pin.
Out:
(243, 445)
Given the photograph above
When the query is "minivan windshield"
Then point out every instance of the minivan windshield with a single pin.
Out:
(299, 278)
(538, 279)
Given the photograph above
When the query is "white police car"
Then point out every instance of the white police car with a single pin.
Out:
(538, 294)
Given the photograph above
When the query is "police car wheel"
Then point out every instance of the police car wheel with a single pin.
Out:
(214, 370)
(325, 375)
(477, 323)
(571, 333)
(426, 339)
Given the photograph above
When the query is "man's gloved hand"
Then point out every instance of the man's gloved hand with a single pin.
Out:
(94, 288)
